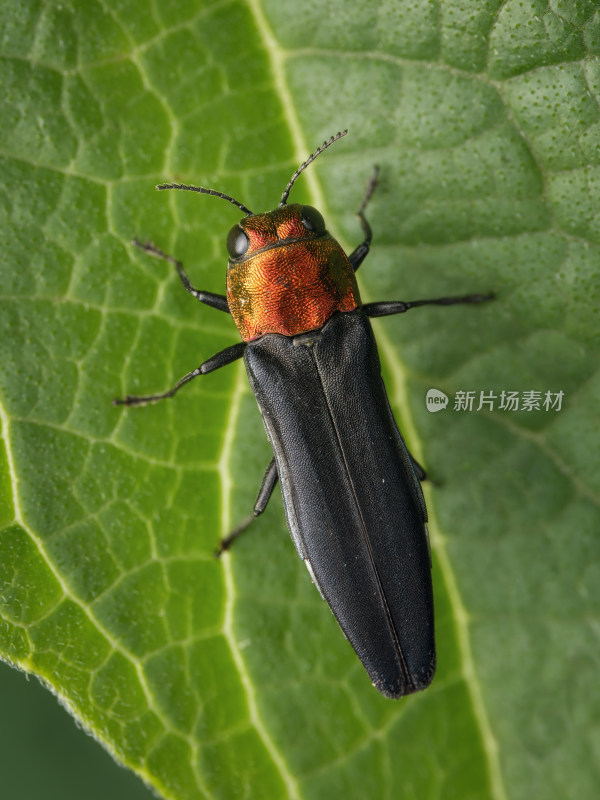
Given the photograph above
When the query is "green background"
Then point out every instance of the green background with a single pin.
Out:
(230, 679)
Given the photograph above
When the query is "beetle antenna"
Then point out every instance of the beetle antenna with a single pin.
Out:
(308, 161)
(203, 190)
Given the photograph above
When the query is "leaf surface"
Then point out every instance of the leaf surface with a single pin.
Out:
(230, 679)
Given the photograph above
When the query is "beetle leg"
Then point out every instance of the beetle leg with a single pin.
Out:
(399, 306)
(220, 359)
(358, 256)
(269, 482)
(218, 301)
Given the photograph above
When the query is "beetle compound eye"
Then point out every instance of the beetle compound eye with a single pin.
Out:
(237, 242)
(312, 220)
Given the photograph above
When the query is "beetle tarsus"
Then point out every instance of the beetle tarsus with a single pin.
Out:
(360, 253)
(267, 485)
(372, 184)
(132, 400)
(227, 541)
(218, 301)
(220, 359)
(386, 309)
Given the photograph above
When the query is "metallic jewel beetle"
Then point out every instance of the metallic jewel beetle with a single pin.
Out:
(351, 490)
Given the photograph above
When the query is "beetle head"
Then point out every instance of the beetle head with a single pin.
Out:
(282, 226)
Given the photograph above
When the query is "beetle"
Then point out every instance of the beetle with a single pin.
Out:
(351, 490)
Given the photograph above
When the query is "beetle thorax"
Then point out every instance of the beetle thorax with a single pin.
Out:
(292, 278)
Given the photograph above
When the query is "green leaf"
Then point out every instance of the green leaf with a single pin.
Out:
(231, 679)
